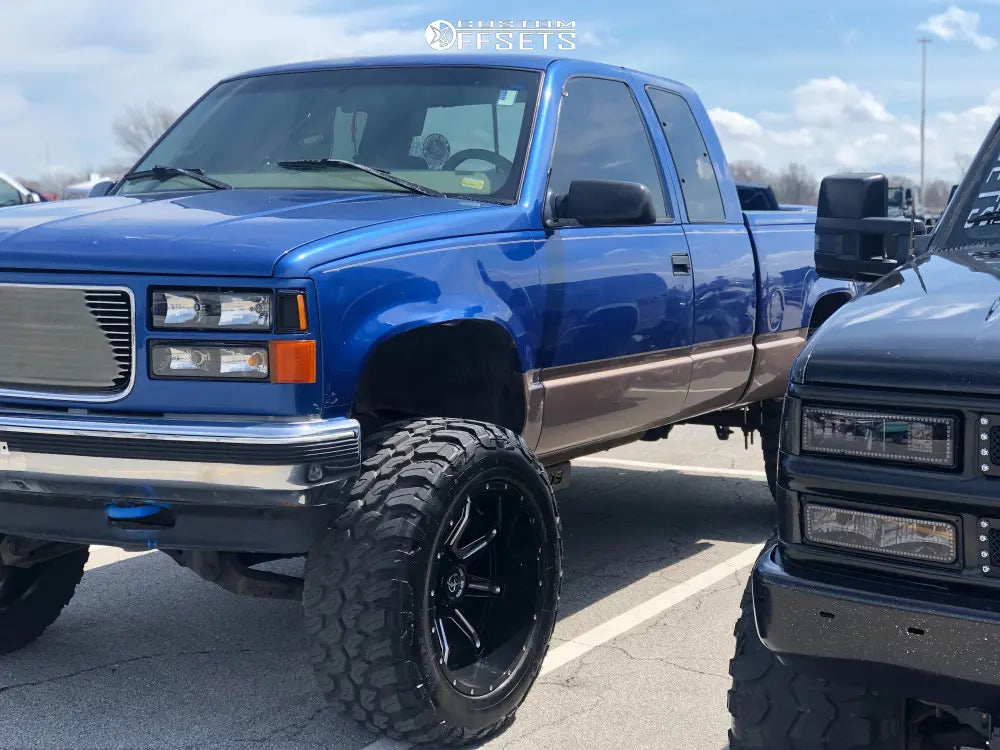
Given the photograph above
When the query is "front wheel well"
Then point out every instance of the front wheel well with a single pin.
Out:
(466, 369)
(826, 306)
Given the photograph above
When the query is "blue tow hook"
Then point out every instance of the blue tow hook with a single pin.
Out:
(149, 517)
(132, 512)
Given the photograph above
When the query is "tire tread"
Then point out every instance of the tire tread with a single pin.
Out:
(360, 620)
(774, 707)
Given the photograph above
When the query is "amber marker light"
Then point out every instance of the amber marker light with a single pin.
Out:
(301, 300)
(293, 361)
(292, 314)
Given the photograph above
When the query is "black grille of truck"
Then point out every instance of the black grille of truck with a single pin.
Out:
(66, 341)
(994, 546)
(988, 546)
(994, 449)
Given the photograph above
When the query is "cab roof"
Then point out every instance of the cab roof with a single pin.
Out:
(482, 60)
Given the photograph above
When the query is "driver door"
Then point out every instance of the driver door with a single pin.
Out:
(617, 315)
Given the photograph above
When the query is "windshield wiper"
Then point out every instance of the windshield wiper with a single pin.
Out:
(325, 164)
(163, 174)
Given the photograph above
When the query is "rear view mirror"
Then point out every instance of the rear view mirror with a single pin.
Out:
(605, 203)
(854, 239)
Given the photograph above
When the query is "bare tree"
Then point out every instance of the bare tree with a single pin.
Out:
(750, 171)
(795, 184)
(935, 196)
(962, 164)
(139, 126)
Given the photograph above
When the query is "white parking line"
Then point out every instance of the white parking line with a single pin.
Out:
(573, 649)
(701, 470)
(616, 626)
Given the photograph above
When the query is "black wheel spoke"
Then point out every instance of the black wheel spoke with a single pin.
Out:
(486, 585)
(443, 641)
(474, 548)
(466, 628)
(463, 521)
(479, 586)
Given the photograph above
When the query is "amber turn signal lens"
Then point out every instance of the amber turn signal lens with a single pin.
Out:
(301, 299)
(293, 361)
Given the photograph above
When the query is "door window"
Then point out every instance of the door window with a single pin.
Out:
(602, 136)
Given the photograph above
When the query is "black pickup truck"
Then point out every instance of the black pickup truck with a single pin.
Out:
(872, 618)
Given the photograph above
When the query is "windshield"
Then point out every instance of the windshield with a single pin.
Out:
(456, 130)
(978, 218)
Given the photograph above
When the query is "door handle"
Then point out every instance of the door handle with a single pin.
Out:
(681, 263)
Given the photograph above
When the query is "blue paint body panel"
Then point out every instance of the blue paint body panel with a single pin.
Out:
(375, 265)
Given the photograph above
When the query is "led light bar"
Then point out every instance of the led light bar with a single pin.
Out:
(880, 533)
(888, 436)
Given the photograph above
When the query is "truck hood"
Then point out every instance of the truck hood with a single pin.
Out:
(224, 232)
(933, 325)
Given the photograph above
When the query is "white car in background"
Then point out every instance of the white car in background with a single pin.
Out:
(13, 193)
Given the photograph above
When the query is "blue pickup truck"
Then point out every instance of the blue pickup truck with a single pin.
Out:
(366, 311)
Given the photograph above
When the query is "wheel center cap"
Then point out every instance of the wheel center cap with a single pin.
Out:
(455, 583)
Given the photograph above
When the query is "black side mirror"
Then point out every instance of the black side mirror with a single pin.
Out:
(854, 239)
(909, 197)
(100, 189)
(605, 203)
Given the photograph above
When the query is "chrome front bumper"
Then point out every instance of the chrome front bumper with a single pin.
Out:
(171, 460)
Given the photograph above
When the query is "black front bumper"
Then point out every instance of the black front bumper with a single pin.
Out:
(889, 635)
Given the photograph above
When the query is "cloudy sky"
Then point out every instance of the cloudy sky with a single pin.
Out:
(834, 86)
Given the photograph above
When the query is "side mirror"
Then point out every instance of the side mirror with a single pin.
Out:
(854, 239)
(100, 189)
(908, 197)
(605, 203)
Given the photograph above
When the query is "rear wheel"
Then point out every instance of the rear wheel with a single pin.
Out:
(430, 604)
(774, 707)
(32, 598)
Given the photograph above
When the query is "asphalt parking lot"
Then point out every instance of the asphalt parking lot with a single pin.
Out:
(658, 541)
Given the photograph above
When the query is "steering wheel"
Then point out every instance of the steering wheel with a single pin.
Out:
(502, 164)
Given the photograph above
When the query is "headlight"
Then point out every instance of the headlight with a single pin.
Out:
(877, 435)
(885, 534)
(178, 360)
(206, 310)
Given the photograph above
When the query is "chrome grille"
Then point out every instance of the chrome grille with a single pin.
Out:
(64, 342)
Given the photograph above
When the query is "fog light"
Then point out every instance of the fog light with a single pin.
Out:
(899, 536)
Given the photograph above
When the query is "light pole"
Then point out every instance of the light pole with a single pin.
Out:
(923, 105)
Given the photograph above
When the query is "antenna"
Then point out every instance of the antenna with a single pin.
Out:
(923, 104)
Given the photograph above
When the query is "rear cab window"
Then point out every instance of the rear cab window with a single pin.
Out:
(699, 185)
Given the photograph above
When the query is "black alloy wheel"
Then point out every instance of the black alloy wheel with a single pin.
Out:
(486, 587)
(430, 602)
